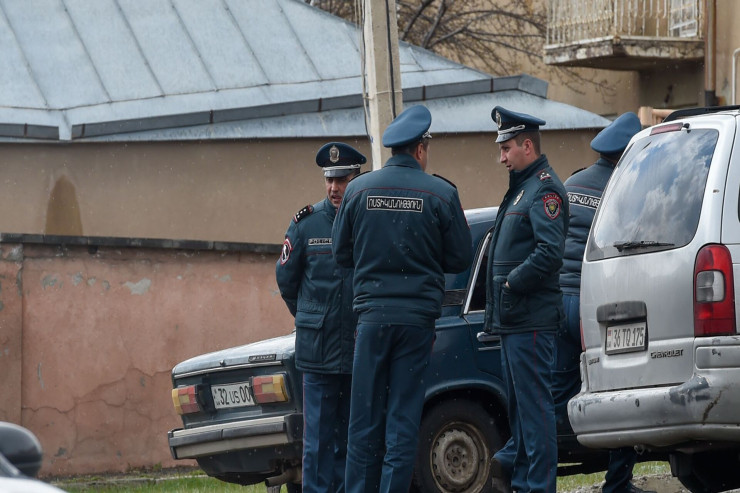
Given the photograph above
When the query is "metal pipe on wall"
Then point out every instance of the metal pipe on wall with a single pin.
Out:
(710, 70)
(734, 73)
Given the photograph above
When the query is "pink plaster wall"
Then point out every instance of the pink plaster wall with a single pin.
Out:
(86, 351)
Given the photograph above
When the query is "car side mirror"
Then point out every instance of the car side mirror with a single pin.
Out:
(21, 448)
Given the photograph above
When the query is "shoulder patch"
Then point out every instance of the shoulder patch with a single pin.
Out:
(445, 179)
(545, 175)
(285, 254)
(303, 213)
(553, 205)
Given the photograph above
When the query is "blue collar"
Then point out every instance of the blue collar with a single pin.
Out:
(405, 160)
(517, 177)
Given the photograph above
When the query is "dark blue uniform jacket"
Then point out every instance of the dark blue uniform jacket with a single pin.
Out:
(584, 194)
(403, 229)
(527, 251)
(318, 293)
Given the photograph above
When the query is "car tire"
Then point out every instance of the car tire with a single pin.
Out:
(457, 439)
(707, 472)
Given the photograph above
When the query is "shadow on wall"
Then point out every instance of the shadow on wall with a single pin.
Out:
(63, 210)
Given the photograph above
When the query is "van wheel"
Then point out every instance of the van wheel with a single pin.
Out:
(457, 439)
(707, 472)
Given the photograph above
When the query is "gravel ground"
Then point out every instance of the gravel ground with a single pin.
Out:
(660, 483)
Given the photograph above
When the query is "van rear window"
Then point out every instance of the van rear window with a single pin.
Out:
(653, 201)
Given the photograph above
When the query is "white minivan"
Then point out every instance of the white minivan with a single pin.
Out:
(661, 364)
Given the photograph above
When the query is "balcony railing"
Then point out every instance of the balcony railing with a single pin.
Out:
(660, 28)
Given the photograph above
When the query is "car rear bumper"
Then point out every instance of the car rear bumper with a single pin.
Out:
(701, 409)
(227, 437)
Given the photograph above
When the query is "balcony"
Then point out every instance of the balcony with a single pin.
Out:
(642, 35)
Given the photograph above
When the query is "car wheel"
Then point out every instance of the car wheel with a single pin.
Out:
(457, 439)
(707, 472)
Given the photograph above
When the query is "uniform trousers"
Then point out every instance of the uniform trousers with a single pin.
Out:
(326, 401)
(388, 385)
(531, 454)
(567, 383)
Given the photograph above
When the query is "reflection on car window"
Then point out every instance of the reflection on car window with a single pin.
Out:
(654, 200)
(478, 296)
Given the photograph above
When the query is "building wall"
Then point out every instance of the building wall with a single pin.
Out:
(88, 337)
(237, 191)
(727, 41)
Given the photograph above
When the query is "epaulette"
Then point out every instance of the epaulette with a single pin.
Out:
(364, 172)
(578, 171)
(545, 175)
(303, 213)
(445, 179)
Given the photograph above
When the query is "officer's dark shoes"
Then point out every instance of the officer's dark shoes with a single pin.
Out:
(501, 482)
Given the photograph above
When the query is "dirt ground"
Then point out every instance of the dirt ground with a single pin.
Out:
(660, 483)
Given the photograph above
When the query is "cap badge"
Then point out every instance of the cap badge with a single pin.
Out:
(518, 197)
(498, 119)
(334, 154)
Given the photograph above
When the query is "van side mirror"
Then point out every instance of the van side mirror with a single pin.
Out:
(21, 448)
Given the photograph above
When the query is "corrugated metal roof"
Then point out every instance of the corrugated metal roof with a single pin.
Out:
(164, 69)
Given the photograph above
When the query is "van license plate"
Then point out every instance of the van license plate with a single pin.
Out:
(233, 395)
(626, 338)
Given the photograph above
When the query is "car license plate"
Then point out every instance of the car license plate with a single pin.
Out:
(626, 338)
(232, 395)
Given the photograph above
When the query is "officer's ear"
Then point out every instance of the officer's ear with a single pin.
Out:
(528, 145)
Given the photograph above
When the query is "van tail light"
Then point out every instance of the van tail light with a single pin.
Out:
(714, 292)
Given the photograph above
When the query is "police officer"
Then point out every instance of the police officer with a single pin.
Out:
(584, 190)
(318, 293)
(401, 229)
(524, 301)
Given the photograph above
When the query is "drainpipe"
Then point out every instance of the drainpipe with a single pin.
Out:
(710, 70)
(734, 73)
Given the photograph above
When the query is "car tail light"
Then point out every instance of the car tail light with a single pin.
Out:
(185, 399)
(714, 292)
(269, 388)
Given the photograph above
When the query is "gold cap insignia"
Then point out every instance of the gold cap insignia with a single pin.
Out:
(334, 154)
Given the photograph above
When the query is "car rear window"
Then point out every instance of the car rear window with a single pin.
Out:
(655, 196)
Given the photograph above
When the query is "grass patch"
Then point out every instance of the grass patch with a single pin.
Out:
(150, 481)
(195, 481)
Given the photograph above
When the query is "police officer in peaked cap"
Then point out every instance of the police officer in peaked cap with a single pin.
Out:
(318, 293)
(524, 302)
(584, 189)
(402, 230)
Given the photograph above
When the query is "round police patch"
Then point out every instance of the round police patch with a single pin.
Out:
(287, 248)
(553, 205)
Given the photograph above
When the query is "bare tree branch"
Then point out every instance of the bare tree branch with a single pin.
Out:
(500, 36)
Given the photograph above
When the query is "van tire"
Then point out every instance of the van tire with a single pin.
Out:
(457, 439)
(707, 472)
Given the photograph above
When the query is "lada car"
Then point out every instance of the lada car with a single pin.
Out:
(242, 416)
(659, 301)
